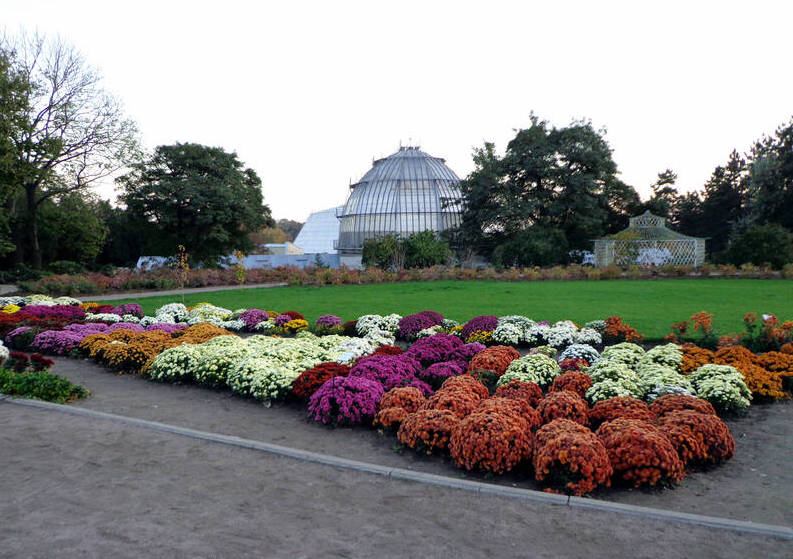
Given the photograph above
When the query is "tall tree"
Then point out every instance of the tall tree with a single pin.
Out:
(197, 196)
(290, 227)
(664, 197)
(770, 182)
(552, 183)
(723, 202)
(74, 133)
(14, 92)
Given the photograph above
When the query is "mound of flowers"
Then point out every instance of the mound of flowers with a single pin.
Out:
(428, 430)
(569, 458)
(491, 441)
(345, 401)
(640, 453)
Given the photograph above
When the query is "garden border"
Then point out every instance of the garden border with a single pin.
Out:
(428, 479)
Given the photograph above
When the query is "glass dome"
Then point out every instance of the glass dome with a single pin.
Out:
(407, 192)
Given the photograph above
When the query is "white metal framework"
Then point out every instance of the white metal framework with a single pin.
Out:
(648, 242)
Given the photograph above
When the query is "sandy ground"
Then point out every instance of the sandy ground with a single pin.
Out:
(81, 487)
(756, 485)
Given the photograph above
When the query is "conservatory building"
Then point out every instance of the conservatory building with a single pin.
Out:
(404, 193)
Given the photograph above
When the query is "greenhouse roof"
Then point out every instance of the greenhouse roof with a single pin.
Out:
(648, 227)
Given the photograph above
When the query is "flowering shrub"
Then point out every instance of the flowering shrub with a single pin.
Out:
(588, 336)
(561, 334)
(537, 368)
(409, 398)
(484, 323)
(252, 317)
(658, 380)
(345, 400)
(605, 389)
(390, 418)
(20, 338)
(574, 381)
(329, 324)
(574, 364)
(626, 407)
(512, 406)
(427, 430)
(388, 350)
(460, 401)
(617, 331)
(368, 323)
(668, 355)
(723, 386)
(508, 334)
(580, 351)
(639, 453)
(694, 357)
(412, 324)
(437, 373)
(616, 373)
(391, 371)
(311, 379)
(515, 389)
(491, 441)
(492, 362)
(133, 309)
(263, 378)
(626, 353)
(466, 382)
(676, 402)
(433, 349)
(700, 438)
(466, 352)
(564, 405)
(172, 365)
(68, 312)
(570, 458)
(480, 337)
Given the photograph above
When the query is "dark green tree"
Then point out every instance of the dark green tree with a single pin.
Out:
(290, 227)
(724, 203)
(664, 198)
(551, 182)
(197, 196)
(769, 243)
(770, 181)
(73, 133)
(72, 228)
(14, 93)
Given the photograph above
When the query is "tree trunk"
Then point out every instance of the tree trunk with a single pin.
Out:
(33, 251)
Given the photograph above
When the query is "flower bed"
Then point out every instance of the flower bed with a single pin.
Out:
(601, 413)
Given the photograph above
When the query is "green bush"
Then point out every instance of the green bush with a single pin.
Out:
(536, 246)
(65, 267)
(762, 244)
(41, 386)
(419, 250)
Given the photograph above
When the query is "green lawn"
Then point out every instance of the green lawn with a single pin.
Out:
(650, 306)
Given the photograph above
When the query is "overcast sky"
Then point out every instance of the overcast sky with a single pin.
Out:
(309, 93)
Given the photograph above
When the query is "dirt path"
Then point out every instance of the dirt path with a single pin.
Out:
(757, 485)
(74, 486)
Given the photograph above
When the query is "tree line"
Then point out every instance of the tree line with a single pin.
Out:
(552, 192)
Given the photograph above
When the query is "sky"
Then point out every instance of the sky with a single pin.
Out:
(309, 93)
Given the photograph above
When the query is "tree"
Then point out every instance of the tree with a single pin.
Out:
(769, 243)
(197, 196)
(290, 227)
(723, 202)
(72, 135)
(770, 181)
(550, 182)
(664, 197)
(72, 228)
(14, 91)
